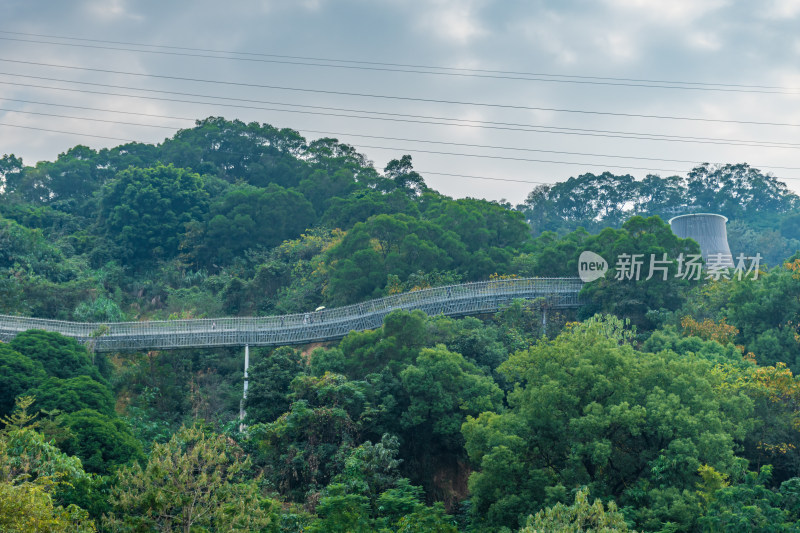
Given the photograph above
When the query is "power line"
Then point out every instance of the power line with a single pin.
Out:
(395, 149)
(433, 152)
(539, 77)
(494, 147)
(508, 126)
(508, 158)
(426, 172)
(429, 119)
(132, 141)
(402, 139)
(403, 98)
(87, 118)
(48, 130)
(87, 108)
(335, 60)
(422, 141)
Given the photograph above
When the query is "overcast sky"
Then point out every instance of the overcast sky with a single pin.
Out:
(548, 55)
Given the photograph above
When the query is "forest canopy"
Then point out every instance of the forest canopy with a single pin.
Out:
(659, 405)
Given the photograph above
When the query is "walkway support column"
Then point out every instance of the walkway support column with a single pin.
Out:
(544, 320)
(244, 393)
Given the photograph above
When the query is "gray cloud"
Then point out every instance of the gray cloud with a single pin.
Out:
(690, 40)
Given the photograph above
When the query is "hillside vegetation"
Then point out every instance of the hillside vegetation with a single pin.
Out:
(660, 405)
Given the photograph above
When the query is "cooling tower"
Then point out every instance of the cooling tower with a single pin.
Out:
(708, 229)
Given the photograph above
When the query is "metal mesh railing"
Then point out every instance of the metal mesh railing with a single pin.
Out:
(299, 328)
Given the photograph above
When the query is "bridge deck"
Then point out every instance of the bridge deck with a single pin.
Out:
(301, 328)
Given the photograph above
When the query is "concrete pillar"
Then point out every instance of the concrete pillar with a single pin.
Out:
(244, 393)
(544, 321)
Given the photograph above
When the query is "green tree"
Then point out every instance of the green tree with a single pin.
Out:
(32, 475)
(27, 251)
(29, 508)
(67, 183)
(620, 292)
(270, 383)
(420, 394)
(60, 356)
(18, 374)
(766, 312)
(247, 217)
(737, 190)
(258, 154)
(344, 212)
(480, 224)
(330, 155)
(596, 201)
(100, 309)
(588, 409)
(386, 245)
(774, 438)
(401, 172)
(145, 210)
(358, 277)
(604, 199)
(443, 389)
(369, 495)
(580, 517)
(102, 442)
(198, 481)
(748, 506)
(10, 170)
(320, 187)
(439, 392)
(428, 519)
(73, 394)
(394, 346)
(711, 350)
(341, 512)
(305, 447)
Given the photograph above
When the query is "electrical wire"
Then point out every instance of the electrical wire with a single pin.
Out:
(458, 69)
(587, 80)
(421, 141)
(131, 141)
(510, 126)
(403, 98)
(426, 172)
(396, 149)
(383, 63)
(451, 121)
(382, 137)
(406, 150)
(508, 158)
(39, 113)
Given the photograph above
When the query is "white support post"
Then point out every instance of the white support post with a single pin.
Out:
(544, 320)
(244, 393)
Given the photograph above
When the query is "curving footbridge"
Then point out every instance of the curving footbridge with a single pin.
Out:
(302, 328)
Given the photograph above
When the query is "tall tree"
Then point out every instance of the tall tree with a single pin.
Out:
(18, 374)
(145, 211)
(401, 172)
(247, 217)
(590, 410)
(60, 356)
(195, 482)
(32, 472)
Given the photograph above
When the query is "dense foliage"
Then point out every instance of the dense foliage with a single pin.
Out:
(763, 212)
(672, 405)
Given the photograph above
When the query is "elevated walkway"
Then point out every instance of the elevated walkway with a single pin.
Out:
(302, 328)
